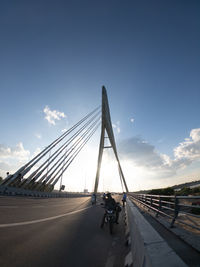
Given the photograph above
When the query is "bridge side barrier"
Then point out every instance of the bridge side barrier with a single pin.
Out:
(13, 191)
(175, 208)
(148, 248)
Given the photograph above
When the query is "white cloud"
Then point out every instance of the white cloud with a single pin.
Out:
(190, 148)
(53, 115)
(39, 136)
(117, 126)
(143, 154)
(11, 158)
(132, 120)
(166, 160)
(14, 152)
(63, 130)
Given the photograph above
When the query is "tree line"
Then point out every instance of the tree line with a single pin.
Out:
(169, 191)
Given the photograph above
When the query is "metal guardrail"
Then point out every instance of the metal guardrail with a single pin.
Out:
(13, 191)
(183, 209)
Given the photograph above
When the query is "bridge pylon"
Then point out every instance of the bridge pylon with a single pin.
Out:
(106, 126)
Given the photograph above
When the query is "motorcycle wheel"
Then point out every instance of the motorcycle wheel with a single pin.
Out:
(111, 227)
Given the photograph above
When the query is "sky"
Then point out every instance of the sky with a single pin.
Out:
(56, 55)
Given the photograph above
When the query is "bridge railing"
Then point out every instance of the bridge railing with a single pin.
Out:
(181, 209)
(13, 191)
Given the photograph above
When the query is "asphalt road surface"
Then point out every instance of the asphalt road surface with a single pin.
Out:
(57, 232)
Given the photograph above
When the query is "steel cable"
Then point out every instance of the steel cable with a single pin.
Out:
(80, 148)
(65, 156)
(35, 175)
(26, 168)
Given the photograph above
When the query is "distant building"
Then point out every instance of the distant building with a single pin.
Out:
(85, 191)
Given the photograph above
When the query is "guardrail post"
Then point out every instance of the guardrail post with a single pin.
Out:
(176, 211)
(159, 207)
(151, 202)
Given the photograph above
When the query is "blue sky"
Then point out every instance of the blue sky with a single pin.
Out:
(59, 54)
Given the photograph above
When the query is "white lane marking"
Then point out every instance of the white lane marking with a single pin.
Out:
(41, 220)
(36, 206)
(16, 207)
(59, 205)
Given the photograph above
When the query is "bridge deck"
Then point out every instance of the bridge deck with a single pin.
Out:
(71, 240)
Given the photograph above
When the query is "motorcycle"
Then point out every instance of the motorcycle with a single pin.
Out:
(109, 218)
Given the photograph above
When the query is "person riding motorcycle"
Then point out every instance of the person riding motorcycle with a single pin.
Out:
(110, 203)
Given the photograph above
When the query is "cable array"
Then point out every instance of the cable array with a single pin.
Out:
(46, 169)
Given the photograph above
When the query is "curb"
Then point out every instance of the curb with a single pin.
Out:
(129, 257)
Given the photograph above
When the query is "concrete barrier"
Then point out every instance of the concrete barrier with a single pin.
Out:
(148, 248)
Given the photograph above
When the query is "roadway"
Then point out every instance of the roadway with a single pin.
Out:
(57, 232)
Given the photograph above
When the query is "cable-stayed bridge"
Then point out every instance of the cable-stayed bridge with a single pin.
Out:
(46, 169)
(66, 231)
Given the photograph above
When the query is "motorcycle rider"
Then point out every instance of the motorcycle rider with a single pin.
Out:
(110, 203)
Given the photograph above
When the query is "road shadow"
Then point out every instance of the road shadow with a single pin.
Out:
(73, 241)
